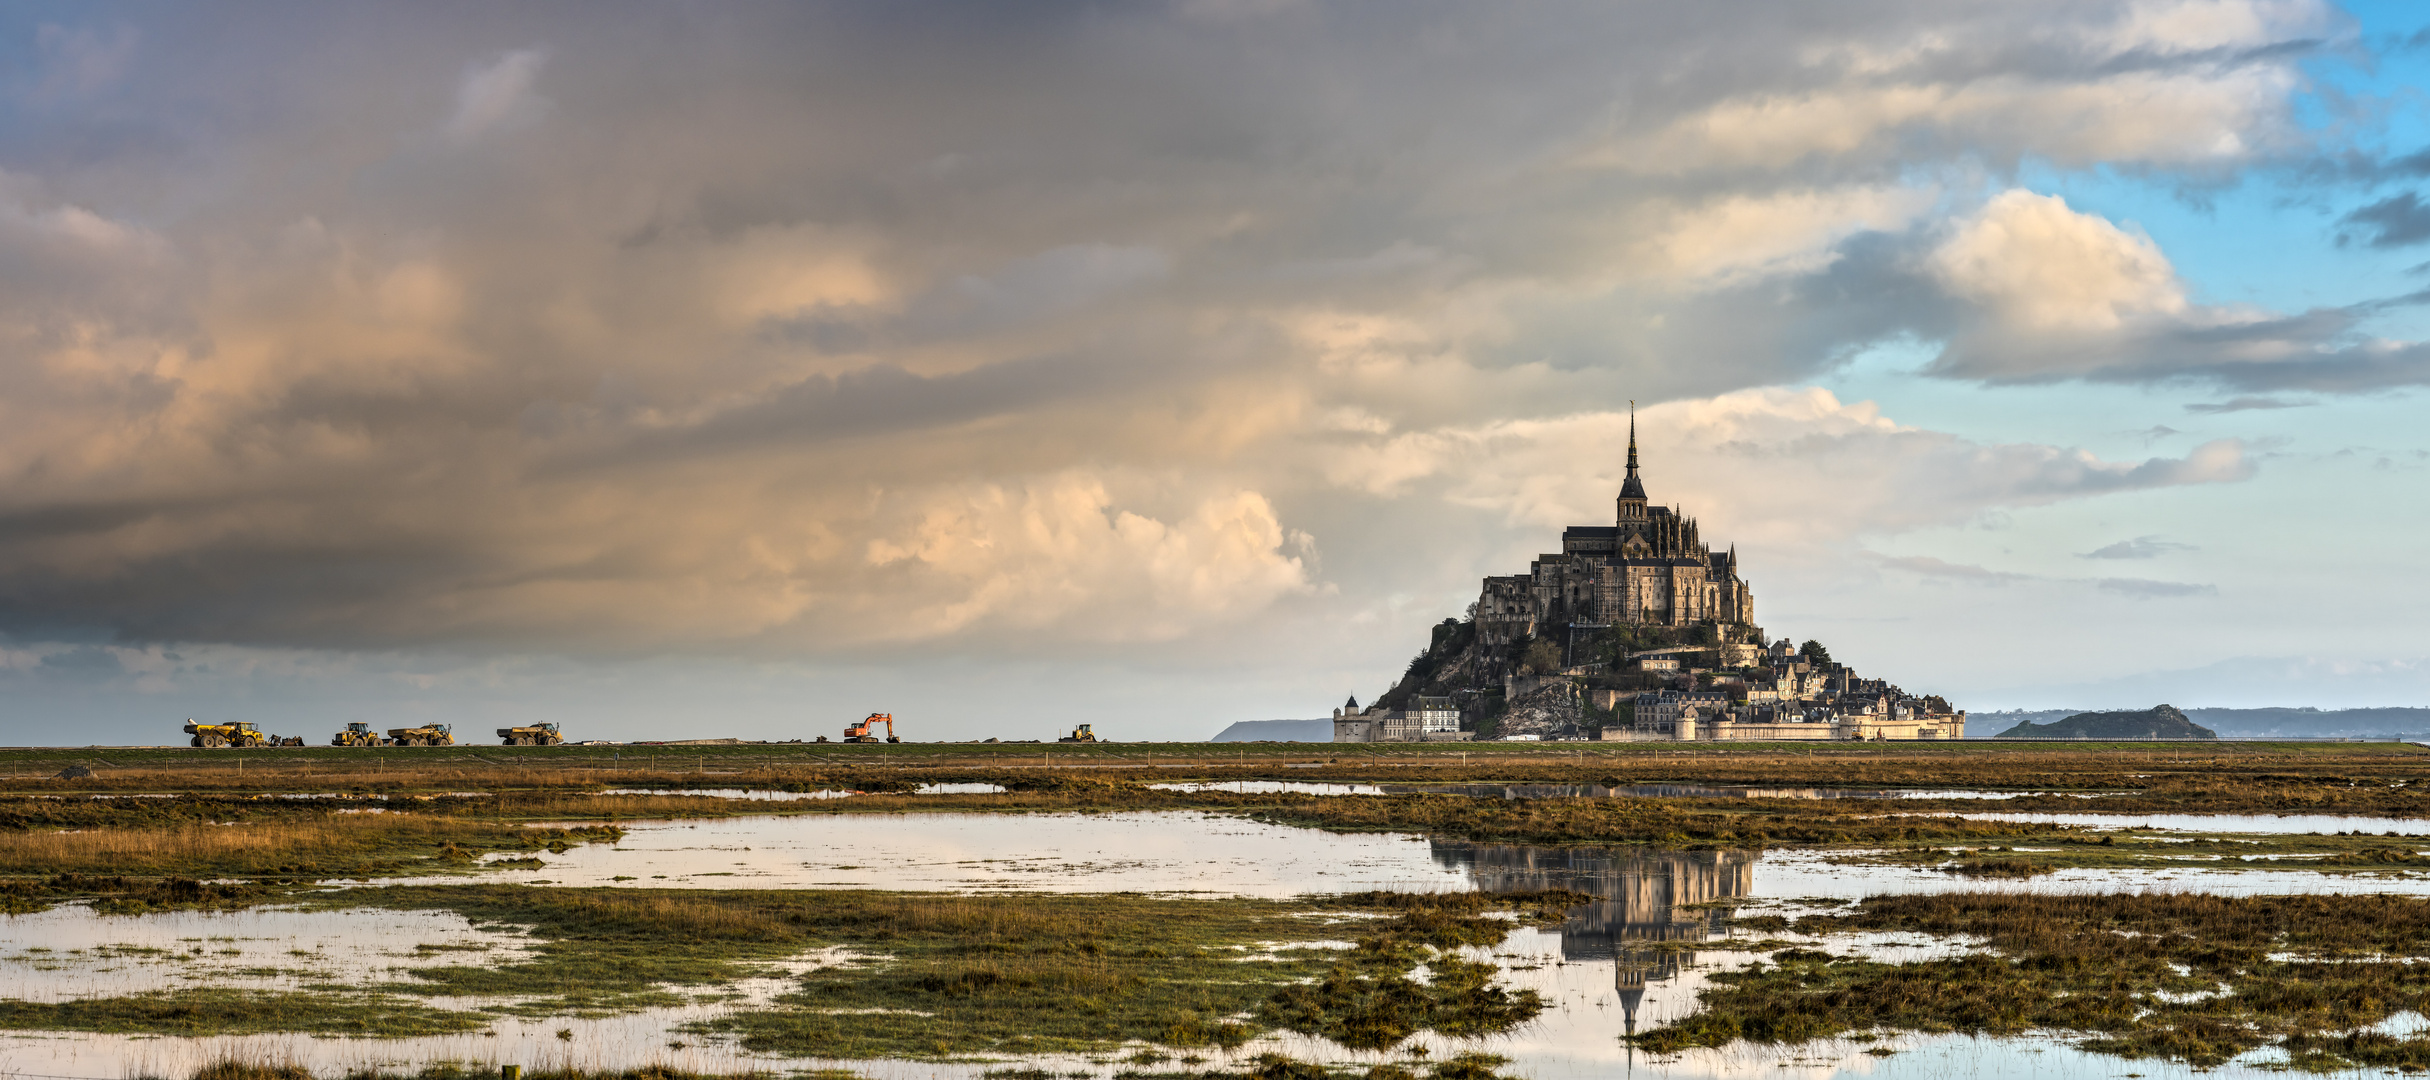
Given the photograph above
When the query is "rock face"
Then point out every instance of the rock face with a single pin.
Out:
(2157, 722)
(1548, 712)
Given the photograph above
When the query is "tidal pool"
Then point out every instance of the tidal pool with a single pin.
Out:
(1273, 787)
(1205, 854)
(768, 795)
(1149, 852)
(1688, 791)
(67, 953)
(2216, 824)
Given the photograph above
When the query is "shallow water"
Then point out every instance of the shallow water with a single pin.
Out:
(1273, 787)
(1633, 960)
(766, 795)
(2208, 824)
(1170, 853)
(745, 794)
(1491, 791)
(1191, 853)
(68, 952)
(623, 1041)
(1699, 791)
(1637, 956)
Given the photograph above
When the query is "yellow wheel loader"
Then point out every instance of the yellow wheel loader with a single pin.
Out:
(357, 735)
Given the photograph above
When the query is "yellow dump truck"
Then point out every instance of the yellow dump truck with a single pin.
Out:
(532, 735)
(357, 735)
(426, 735)
(236, 733)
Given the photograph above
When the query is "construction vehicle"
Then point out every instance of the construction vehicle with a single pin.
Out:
(533, 735)
(357, 735)
(1079, 734)
(426, 735)
(290, 740)
(861, 732)
(237, 733)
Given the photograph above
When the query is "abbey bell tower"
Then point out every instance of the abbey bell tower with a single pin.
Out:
(1632, 490)
(1648, 568)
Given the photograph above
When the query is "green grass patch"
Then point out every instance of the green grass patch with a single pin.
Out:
(238, 1012)
(2192, 978)
(942, 976)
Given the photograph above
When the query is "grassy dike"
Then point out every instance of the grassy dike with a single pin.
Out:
(2206, 777)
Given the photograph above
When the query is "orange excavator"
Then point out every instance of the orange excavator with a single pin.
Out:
(862, 732)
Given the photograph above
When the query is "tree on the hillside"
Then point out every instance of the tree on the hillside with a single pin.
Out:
(1814, 653)
(1541, 657)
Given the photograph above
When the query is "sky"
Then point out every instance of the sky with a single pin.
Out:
(737, 369)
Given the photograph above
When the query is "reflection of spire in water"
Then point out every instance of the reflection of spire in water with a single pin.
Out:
(1649, 901)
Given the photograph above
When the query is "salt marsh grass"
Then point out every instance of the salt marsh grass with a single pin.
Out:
(333, 846)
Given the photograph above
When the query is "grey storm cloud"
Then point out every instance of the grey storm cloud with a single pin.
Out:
(760, 326)
(2396, 221)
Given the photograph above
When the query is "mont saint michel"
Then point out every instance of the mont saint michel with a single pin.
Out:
(1634, 631)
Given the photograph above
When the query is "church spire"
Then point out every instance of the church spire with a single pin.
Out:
(1632, 439)
(1632, 488)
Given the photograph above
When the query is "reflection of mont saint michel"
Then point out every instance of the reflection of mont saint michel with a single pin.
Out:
(1633, 631)
(1645, 924)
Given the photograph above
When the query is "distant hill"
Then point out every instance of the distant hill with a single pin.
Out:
(1277, 731)
(2157, 722)
(2275, 723)
(2264, 723)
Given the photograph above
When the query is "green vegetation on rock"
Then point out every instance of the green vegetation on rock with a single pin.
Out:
(2157, 722)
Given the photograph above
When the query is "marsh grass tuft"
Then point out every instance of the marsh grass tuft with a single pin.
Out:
(1997, 868)
(250, 1070)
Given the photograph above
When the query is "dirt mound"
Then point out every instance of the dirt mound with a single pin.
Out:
(74, 772)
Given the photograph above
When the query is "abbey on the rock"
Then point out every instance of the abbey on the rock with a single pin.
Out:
(1649, 568)
(1634, 632)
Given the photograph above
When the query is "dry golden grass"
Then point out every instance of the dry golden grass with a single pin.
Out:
(341, 845)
